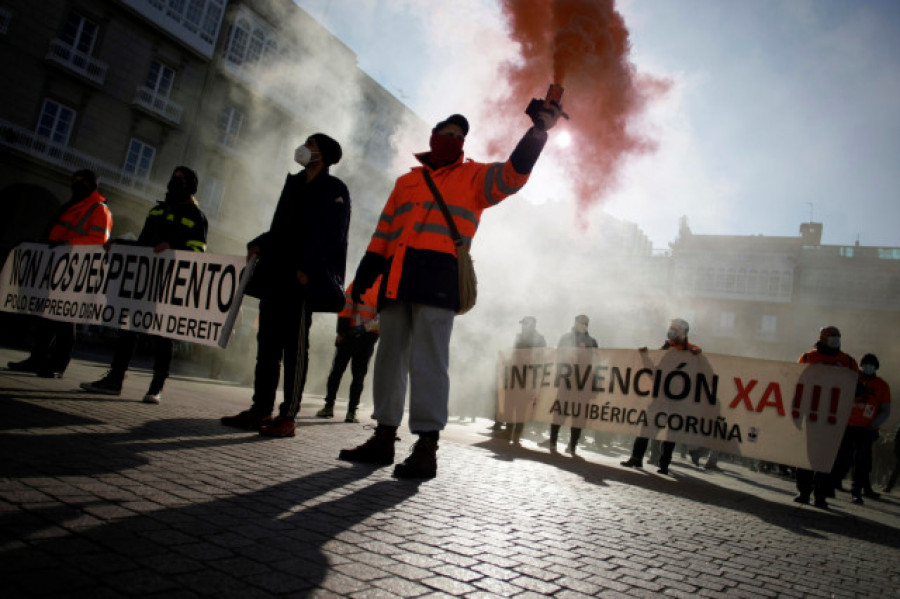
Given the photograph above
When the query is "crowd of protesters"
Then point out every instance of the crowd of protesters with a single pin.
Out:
(405, 294)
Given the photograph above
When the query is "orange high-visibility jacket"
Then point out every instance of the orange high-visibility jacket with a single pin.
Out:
(88, 222)
(359, 314)
(838, 359)
(871, 394)
(412, 235)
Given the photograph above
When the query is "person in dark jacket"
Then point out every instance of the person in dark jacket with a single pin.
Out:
(414, 250)
(176, 223)
(302, 258)
(577, 337)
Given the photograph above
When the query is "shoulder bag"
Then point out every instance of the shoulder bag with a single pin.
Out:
(468, 283)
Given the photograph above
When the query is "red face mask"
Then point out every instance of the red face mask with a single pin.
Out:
(444, 149)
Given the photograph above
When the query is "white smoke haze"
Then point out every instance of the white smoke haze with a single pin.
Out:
(534, 254)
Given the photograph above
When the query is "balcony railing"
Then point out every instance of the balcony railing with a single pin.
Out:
(159, 105)
(70, 159)
(79, 63)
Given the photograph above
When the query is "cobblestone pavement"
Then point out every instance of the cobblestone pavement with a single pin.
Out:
(107, 497)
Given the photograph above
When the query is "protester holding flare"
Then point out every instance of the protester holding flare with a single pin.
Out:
(413, 249)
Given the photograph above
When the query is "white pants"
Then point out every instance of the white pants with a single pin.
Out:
(414, 349)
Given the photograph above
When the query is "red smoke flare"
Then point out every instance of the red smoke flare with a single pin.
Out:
(582, 45)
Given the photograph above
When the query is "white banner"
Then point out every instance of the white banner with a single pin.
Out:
(779, 412)
(189, 296)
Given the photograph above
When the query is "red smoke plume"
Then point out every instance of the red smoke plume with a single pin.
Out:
(582, 45)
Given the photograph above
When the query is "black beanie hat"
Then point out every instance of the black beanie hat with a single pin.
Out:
(870, 359)
(190, 178)
(89, 176)
(330, 149)
(455, 119)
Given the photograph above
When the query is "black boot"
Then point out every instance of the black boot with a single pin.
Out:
(378, 449)
(29, 364)
(422, 462)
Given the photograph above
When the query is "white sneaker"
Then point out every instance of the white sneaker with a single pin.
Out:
(151, 398)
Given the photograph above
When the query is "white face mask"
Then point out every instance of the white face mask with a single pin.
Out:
(833, 342)
(868, 369)
(302, 155)
(672, 335)
(581, 328)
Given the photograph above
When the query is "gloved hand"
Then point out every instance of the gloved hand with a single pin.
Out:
(545, 118)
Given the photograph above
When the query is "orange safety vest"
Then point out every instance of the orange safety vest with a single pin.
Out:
(412, 218)
(680, 346)
(89, 222)
(872, 393)
(367, 311)
(838, 359)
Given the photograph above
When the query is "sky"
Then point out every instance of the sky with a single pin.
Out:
(776, 112)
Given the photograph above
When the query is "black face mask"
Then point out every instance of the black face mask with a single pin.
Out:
(177, 190)
(80, 190)
(176, 185)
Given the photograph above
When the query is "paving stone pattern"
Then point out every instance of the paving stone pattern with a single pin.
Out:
(110, 497)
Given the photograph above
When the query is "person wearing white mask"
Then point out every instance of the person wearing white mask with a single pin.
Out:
(302, 258)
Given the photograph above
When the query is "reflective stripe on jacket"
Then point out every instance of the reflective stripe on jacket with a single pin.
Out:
(89, 222)
(412, 235)
(838, 359)
(871, 394)
(182, 225)
(364, 313)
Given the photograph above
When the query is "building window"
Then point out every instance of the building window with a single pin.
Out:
(79, 33)
(247, 43)
(175, 9)
(230, 121)
(213, 18)
(55, 122)
(769, 325)
(139, 159)
(726, 322)
(255, 47)
(211, 198)
(160, 79)
(237, 45)
(194, 15)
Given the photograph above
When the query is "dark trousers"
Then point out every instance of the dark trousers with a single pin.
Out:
(819, 484)
(283, 335)
(162, 358)
(574, 434)
(640, 448)
(354, 351)
(855, 453)
(54, 344)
